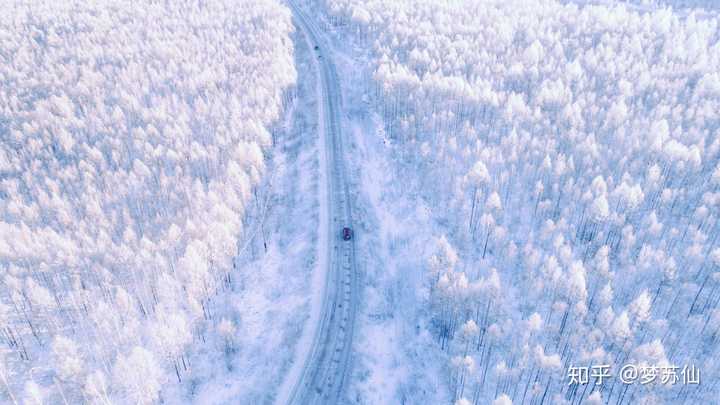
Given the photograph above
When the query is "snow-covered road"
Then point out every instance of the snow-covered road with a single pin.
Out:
(325, 365)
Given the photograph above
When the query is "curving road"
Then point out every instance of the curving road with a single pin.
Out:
(327, 366)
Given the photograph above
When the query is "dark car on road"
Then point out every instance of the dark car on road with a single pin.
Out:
(347, 233)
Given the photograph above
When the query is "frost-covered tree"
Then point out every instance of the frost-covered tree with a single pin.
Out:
(138, 376)
(68, 363)
(562, 136)
(133, 136)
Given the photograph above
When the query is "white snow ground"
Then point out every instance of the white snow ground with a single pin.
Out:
(391, 339)
(395, 234)
(274, 298)
(310, 93)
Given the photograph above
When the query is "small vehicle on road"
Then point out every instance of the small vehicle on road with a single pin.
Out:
(347, 233)
(317, 48)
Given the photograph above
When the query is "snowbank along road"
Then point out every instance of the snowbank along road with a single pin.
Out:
(327, 365)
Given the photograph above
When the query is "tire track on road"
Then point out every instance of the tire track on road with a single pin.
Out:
(327, 367)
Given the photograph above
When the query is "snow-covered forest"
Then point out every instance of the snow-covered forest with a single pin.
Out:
(569, 155)
(391, 202)
(132, 137)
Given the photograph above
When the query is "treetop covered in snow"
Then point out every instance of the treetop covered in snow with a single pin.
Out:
(573, 153)
(132, 138)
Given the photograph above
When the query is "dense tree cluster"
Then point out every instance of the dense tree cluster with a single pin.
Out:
(131, 137)
(573, 152)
